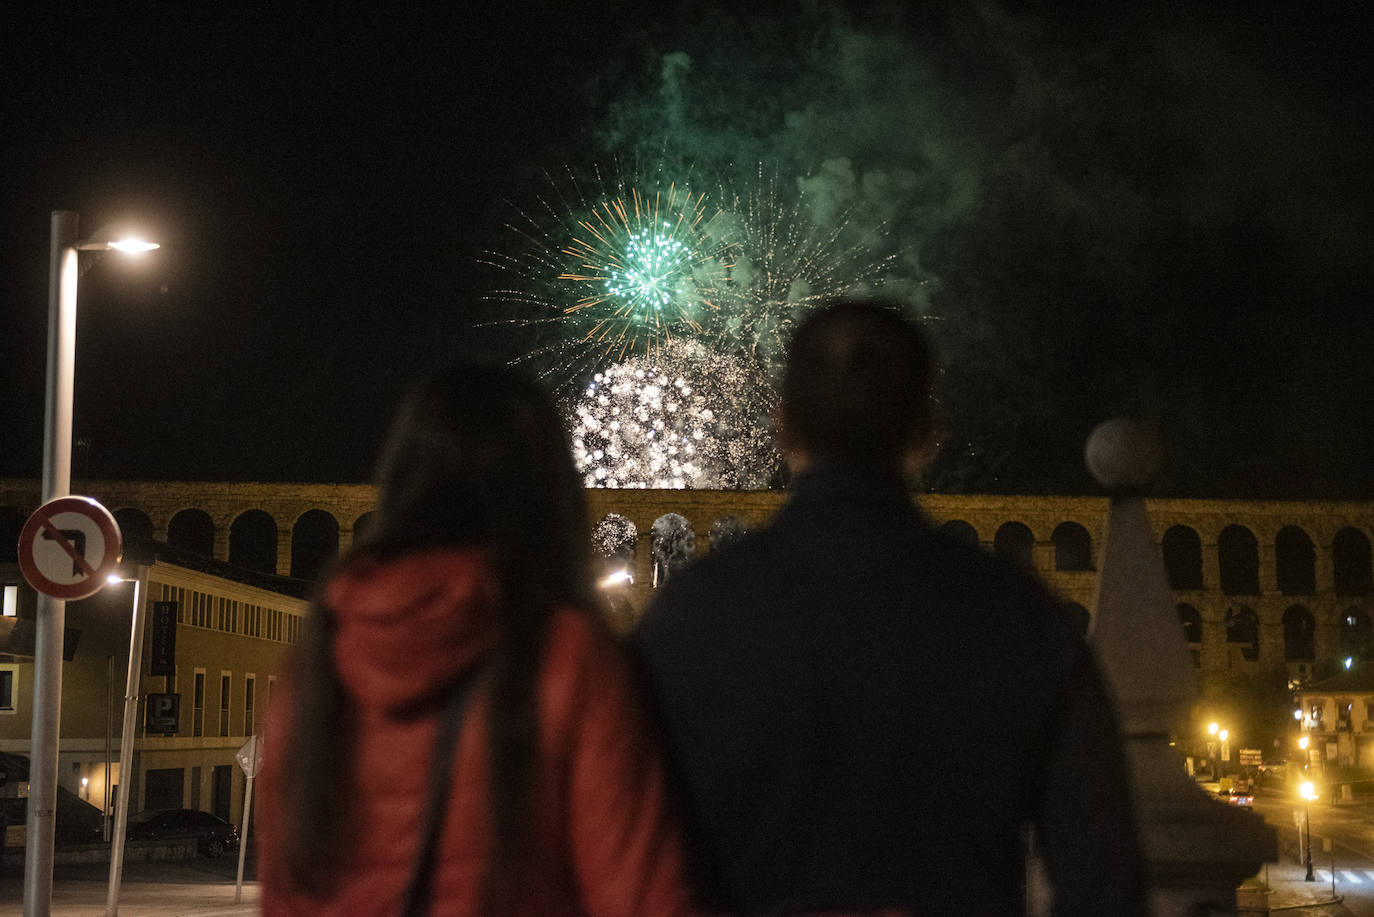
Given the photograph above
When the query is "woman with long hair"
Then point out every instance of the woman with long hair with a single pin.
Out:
(468, 592)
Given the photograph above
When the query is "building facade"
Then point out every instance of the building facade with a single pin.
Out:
(1337, 718)
(231, 632)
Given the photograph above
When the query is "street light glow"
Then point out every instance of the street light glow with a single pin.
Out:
(619, 576)
(133, 246)
(1212, 728)
(1222, 735)
(1304, 742)
(1308, 790)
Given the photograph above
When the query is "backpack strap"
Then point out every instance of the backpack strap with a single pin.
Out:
(419, 890)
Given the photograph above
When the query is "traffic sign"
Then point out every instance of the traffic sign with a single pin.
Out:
(162, 715)
(249, 756)
(68, 547)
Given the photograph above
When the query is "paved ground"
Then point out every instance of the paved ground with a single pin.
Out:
(1291, 894)
(182, 888)
(201, 888)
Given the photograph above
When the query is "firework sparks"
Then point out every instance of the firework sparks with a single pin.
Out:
(623, 271)
(618, 274)
(687, 418)
(781, 264)
(680, 301)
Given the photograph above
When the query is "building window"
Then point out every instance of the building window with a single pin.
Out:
(11, 600)
(7, 689)
(198, 705)
(224, 704)
(248, 724)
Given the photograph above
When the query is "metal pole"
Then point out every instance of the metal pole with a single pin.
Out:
(1308, 831)
(109, 743)
(126, 754)
(243, 839)
(51, 613)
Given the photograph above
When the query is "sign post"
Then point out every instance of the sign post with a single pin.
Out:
(65, 550)
(250, 759)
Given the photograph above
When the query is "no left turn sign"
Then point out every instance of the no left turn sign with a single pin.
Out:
(68, 547)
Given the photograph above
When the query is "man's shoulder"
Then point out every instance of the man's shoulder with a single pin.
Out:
(992, 586)
(720, 577)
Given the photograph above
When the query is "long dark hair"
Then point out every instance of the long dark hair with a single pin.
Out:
(477, 456)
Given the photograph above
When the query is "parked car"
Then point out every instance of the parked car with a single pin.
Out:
(214, 835)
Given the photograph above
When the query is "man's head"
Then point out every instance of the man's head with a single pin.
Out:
(857, 390)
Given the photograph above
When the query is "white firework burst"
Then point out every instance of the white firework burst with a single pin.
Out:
(686, 418)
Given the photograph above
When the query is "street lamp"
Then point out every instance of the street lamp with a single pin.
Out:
(1213, 751)
(51, 613)
(1308, 791)
(126, 748)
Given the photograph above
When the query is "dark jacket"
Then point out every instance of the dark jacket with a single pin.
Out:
(863, 714)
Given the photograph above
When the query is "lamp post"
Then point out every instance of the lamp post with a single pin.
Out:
(1309, 792)
(51, 613)
(1213, 751)
(126, 748)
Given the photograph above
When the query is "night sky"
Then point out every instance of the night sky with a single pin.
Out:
(1167, 215)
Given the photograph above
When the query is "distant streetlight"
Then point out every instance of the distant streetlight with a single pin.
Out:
(1308, 791)
(1218, 734)
(616, 578)
(51, 613)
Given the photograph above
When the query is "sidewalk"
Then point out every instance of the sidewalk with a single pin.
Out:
(149, 891)
(160, 889)
(1290, 893)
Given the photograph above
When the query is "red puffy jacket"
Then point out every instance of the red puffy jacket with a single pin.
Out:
(603, 841)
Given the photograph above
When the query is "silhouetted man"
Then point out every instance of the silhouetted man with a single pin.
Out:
(864, 714)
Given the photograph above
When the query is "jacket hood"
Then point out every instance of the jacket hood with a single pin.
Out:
(406, 626)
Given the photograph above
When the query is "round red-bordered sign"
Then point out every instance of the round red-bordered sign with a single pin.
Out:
(68, 547)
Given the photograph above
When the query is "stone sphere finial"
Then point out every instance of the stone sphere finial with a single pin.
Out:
(1124, 454)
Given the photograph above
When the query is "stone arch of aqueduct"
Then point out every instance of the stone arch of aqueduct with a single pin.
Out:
(346, 504)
